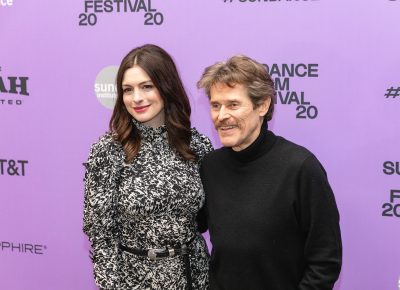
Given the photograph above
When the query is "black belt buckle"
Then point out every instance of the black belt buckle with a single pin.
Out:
(152, 254)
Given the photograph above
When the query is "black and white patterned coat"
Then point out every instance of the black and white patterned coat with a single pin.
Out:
(150, 203)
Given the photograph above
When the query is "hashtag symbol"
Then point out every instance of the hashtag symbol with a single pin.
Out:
(230, 1)
(392, 92)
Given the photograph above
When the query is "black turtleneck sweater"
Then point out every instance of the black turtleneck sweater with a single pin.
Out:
(272, 217)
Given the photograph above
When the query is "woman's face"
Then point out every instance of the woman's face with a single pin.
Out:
(141, 97)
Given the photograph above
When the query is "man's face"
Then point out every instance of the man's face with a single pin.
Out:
(237, 122)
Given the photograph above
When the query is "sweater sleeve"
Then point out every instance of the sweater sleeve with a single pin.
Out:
(319, 218)
(99, 212)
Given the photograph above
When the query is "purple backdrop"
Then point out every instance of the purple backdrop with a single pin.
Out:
(345, 110)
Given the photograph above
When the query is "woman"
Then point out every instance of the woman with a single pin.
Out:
(142, 186)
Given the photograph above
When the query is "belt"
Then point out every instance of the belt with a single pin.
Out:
(156, 254)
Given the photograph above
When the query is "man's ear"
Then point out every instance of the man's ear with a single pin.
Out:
(264, 107)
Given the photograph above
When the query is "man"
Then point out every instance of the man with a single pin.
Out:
(272, 216)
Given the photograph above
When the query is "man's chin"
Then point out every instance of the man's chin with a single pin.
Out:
(227, 143)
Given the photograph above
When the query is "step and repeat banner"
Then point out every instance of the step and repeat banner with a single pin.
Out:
(336, 66)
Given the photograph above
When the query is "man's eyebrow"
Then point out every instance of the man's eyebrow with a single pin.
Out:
(233, 100)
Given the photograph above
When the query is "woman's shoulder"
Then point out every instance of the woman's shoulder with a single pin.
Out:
(200, 143)
(106, 147)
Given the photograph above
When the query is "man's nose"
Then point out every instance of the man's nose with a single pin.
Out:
(223, 114)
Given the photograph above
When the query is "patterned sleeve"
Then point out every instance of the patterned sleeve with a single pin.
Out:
(201, 144)
(99, 224)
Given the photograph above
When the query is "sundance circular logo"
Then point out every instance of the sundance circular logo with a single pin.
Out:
(105, 87)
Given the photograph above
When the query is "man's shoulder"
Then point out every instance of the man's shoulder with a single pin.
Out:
(283, 149)
(291, 152)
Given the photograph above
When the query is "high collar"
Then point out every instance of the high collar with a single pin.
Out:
(264, 142)
(150, 133)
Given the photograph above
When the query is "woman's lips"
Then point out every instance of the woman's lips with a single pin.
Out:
(141, 109)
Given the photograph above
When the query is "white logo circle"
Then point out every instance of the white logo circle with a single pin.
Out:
(105, 86)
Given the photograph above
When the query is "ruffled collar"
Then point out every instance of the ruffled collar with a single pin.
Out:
(150, 133)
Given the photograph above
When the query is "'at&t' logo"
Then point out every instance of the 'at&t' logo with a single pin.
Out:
(13, 85)
(6, 2)
(12, 167)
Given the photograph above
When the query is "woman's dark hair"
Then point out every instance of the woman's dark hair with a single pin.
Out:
(160, 67)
